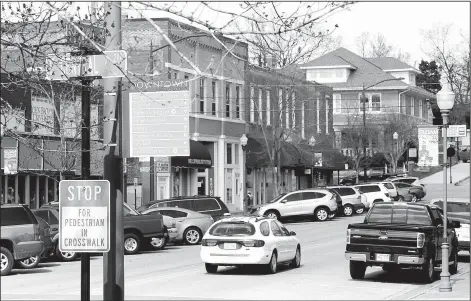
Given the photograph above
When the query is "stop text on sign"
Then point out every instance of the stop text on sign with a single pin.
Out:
(84, 211)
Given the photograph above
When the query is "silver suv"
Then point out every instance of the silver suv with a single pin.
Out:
(352, 199)
(319, 203)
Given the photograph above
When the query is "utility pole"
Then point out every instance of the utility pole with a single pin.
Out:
(151, 167)
(364, 100)
(113, 261)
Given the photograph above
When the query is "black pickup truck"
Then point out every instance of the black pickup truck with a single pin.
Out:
(401, 236)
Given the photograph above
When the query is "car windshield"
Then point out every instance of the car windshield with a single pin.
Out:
(389, 214)
(277, 198)
(233, 229)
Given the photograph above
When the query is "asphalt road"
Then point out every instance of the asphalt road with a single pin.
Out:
(177, 273)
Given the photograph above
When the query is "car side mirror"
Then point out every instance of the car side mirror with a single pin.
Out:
(455, 224)
(292, 233)
(227, 214)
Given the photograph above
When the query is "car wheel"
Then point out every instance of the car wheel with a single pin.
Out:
(6, 261)
(192, 236)
(321, 214)
(454, 257)
(348, 210)
(428, 273)
(357, 269)
(400, 199)
(29, 263)
(132, 243)
(273, 264)
(158, 243)
(296, 262)
(65, 256)
(272, 214)
(211, 268)
(414, 198)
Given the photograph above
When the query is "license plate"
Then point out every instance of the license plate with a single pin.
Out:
(382, 257)
(230, 246)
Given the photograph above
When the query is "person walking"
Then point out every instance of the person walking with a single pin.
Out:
(247, 202)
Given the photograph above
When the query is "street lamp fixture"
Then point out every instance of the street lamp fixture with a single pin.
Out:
(445, 102)
(243, 141)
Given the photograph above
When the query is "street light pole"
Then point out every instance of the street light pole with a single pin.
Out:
(445, 101)
(395, 137)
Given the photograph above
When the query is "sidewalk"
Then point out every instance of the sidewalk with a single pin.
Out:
(459, 172)
(460, 286)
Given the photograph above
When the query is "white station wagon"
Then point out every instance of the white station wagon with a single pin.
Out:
(242, 241)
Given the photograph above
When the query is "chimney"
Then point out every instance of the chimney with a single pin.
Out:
(271, 61)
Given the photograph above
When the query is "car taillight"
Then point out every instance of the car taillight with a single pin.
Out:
(253, 243)
(349, 232)
(359, 197)
(209, 242)
(420, 240)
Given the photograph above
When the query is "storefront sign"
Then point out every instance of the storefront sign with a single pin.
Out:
(42, 115)
(455, 131)
(10, 161)
(162, 164)
(428, 146)
(159, 123)
(84, 213)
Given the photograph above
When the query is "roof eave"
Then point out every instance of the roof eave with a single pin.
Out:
(329, 67)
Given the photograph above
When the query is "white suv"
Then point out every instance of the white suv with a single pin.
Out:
(318, 202)
(374, 192)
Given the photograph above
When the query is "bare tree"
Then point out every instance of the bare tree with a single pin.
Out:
(376, 45)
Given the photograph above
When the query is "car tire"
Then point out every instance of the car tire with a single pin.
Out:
(29, 263)
(7, 261)
(357, 269)
(428, 272)
(211, 268)
(296, 262)
(454, 257)
(348, 210)
(132, 244)
(400, 199)
(65, 256)
(414, 198)
(321, 214)
(272, 214)
(158, 243)
(272, 266)
(192, 236)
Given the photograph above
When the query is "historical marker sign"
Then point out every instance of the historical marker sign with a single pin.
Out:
(159, 123)
(84, 213)
(455, 131)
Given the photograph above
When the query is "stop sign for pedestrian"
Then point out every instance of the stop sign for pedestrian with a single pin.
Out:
(84, 213)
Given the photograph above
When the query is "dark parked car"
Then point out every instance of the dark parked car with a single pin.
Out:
(408, 192)
(20, 236)
(45, 236)
(400, 235)
(202, 204)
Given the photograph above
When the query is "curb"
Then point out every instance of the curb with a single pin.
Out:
(461, 181)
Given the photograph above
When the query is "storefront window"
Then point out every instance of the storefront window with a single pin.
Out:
(229, 153)
(229, 186)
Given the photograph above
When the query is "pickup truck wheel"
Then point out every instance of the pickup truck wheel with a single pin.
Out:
(211, 268)
(65, 256)
(428, 272)
(348, 210)
(6, 261)
(321, 214)
(132, 244)
(454, 266)
(357, 269)
(29, 263)
(192, 236)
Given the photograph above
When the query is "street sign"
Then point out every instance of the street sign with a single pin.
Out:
(412, 152)
(110, 64)
(456, 131)
(159, 124)
(450, 152)
(84, 214)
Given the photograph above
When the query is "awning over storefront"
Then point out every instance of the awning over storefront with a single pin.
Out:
(199, 157)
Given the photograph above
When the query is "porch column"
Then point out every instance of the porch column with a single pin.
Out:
(46, 190)
(27, 191)
(55, 190)
(16, 196)
(243, 180)
(221, 162)
(37, 192)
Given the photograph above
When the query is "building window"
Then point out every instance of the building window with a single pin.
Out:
(280, 106)
(202, 95)
(186, 77)
(213, 100)
(412, 106)
(337, 103)
(260, 107)
(237, 102)
(268, 107)
(421, 108)
(303, 134)
(293, 110)
(228, 100)
(402, 104)
(175, 75)
(366, 104)
(252, 105)
(229, 153)
(236, 154)
(376, 102)
(327, 100)
(318, 110)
